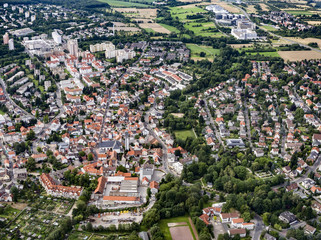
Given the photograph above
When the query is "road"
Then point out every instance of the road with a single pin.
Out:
(217, 133)
(13, 102)
(105, 114)
(259, 227)
(247, 122)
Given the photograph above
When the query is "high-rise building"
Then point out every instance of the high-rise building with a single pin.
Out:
(33, 18)
(56, 37)
(11, 44)
(6, 38)
(72, 46)
(27, 14)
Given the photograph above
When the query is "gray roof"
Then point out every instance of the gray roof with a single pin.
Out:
(110, 144)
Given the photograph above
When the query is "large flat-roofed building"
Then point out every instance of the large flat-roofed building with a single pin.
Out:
(235, 143)
(244, 34)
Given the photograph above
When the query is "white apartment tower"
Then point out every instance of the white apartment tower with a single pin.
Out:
(11, 44)
(72, 46)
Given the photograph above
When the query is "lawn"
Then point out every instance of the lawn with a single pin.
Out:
(183, 134)
(115, 3)
(170, 28)
(165, 229)
(197, 49)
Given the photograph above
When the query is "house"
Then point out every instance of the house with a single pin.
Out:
(316, 206)
(288, 217)
(205, 218)
(234, 232)
(228, 217)
(237, 222)
(154, 186)
(39, 157)
(309, 229)
(258, 152)
(316, 139)
(292, 187)
(248, 226)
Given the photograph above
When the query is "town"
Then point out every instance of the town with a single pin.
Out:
(191, 121)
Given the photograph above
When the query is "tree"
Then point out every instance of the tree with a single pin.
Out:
(121, 168)
(90, 157)
(15, 192)
(31, 135)
(151, 217)
(31, 164)
(39, 150)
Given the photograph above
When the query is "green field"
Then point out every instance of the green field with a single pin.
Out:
(299, 12)
(115, 3)
(205, 29)
(183, 134)
(149, 30)
(197, 49)
(165, 229)
(182, 13)
(170, 28)
(269, 28)
(266, 54)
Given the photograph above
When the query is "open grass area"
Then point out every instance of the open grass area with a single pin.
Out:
(116, 3)
(170, 28)
(183, 134)
(197, 49)
(165, 229)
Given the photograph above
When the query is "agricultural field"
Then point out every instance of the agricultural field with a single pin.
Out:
(266, 54)
(116, 3)
(168, 226)
(200, 27)
(227, 6)
(299, 12)
(314, 23)
(155, 27)
(299, 55)
(183, 134)
(170, 28)
(197, 49)
(306, 41)
(139, 14)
